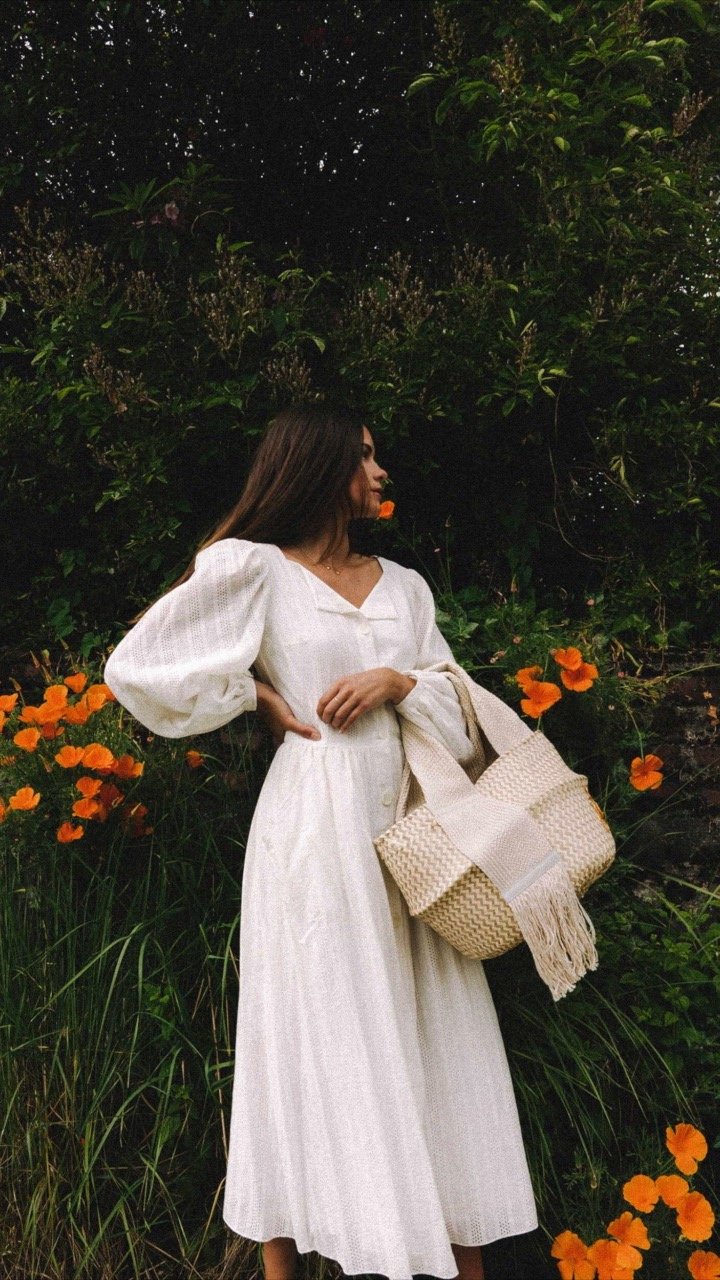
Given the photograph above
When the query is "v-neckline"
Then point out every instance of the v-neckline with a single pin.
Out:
(323, 583)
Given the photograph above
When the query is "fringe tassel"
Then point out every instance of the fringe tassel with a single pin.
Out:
(557, 929)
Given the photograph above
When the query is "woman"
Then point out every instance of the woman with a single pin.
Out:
(373, 1115)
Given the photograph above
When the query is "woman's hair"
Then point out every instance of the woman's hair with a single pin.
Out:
(298, 482)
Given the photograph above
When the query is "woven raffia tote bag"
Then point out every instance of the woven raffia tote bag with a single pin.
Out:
(515, 815)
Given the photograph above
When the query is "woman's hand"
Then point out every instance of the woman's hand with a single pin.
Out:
(353, 695)
(273, 711)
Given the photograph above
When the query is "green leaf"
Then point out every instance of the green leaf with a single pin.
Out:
(427, 78)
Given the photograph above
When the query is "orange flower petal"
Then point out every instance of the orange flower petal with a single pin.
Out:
(568, 658)
(671, 1189)
(7, 701)
(78, 713)
(629, 1230)
(581, 677)
(526, 676)
(88, 786)
(688, 1145)
(645, 772)
(85, 808)
(27, 739)
(127, 766)
(77, 682)
(641, 1192)
(96, 756)
(25, 798)
(573, 1262)
(55, 693)
(695, 1216)
(541, 695)
(68, 757)
(704, 1265)
(66, 832)
(386, 509)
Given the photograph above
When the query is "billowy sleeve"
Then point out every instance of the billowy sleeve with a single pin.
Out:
(183, 668)
(432, 703)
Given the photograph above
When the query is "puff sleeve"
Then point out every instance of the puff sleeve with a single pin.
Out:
(183, 668)
(432, 703)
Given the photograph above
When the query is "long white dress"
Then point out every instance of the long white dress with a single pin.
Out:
(373, 1114)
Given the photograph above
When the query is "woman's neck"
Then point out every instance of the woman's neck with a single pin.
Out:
(315, 550)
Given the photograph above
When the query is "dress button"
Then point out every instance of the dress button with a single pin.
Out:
(386, 797)
(365, 630)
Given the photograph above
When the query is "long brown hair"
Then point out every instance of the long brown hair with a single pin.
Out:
(298, 482)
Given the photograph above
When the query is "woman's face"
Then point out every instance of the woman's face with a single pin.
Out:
(369, 476)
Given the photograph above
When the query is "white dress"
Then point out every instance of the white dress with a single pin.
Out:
(373, 1114)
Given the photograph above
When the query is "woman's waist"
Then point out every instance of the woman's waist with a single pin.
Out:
(366, 733)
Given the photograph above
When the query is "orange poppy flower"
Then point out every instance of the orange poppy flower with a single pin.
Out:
(688, 1145)
(96, 696)
(68, 757)
(645, 772)
(88, 786)
(77, 682)
(3, 718)
(630, 1230)
(55, 693)
(96, 756)
(571, 1253)
(386, 509)
(695, 1216)
(25, 798)
(7, 701)
(613, 1260)
(527, 676)
(128, 767)
(28, 715)
(3, 811)
(570, 658)
(704, 1265)
(581, 677)
(671, 1189)
(66, 832)
(49, 713)
(194, 758)
(85, 808)
(27, 739)
(78, 713)
(641, 1192)
(541, 694)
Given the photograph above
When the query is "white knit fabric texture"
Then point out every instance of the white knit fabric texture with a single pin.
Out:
(373, 1113)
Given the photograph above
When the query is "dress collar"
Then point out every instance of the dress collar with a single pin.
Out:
(378, 604)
